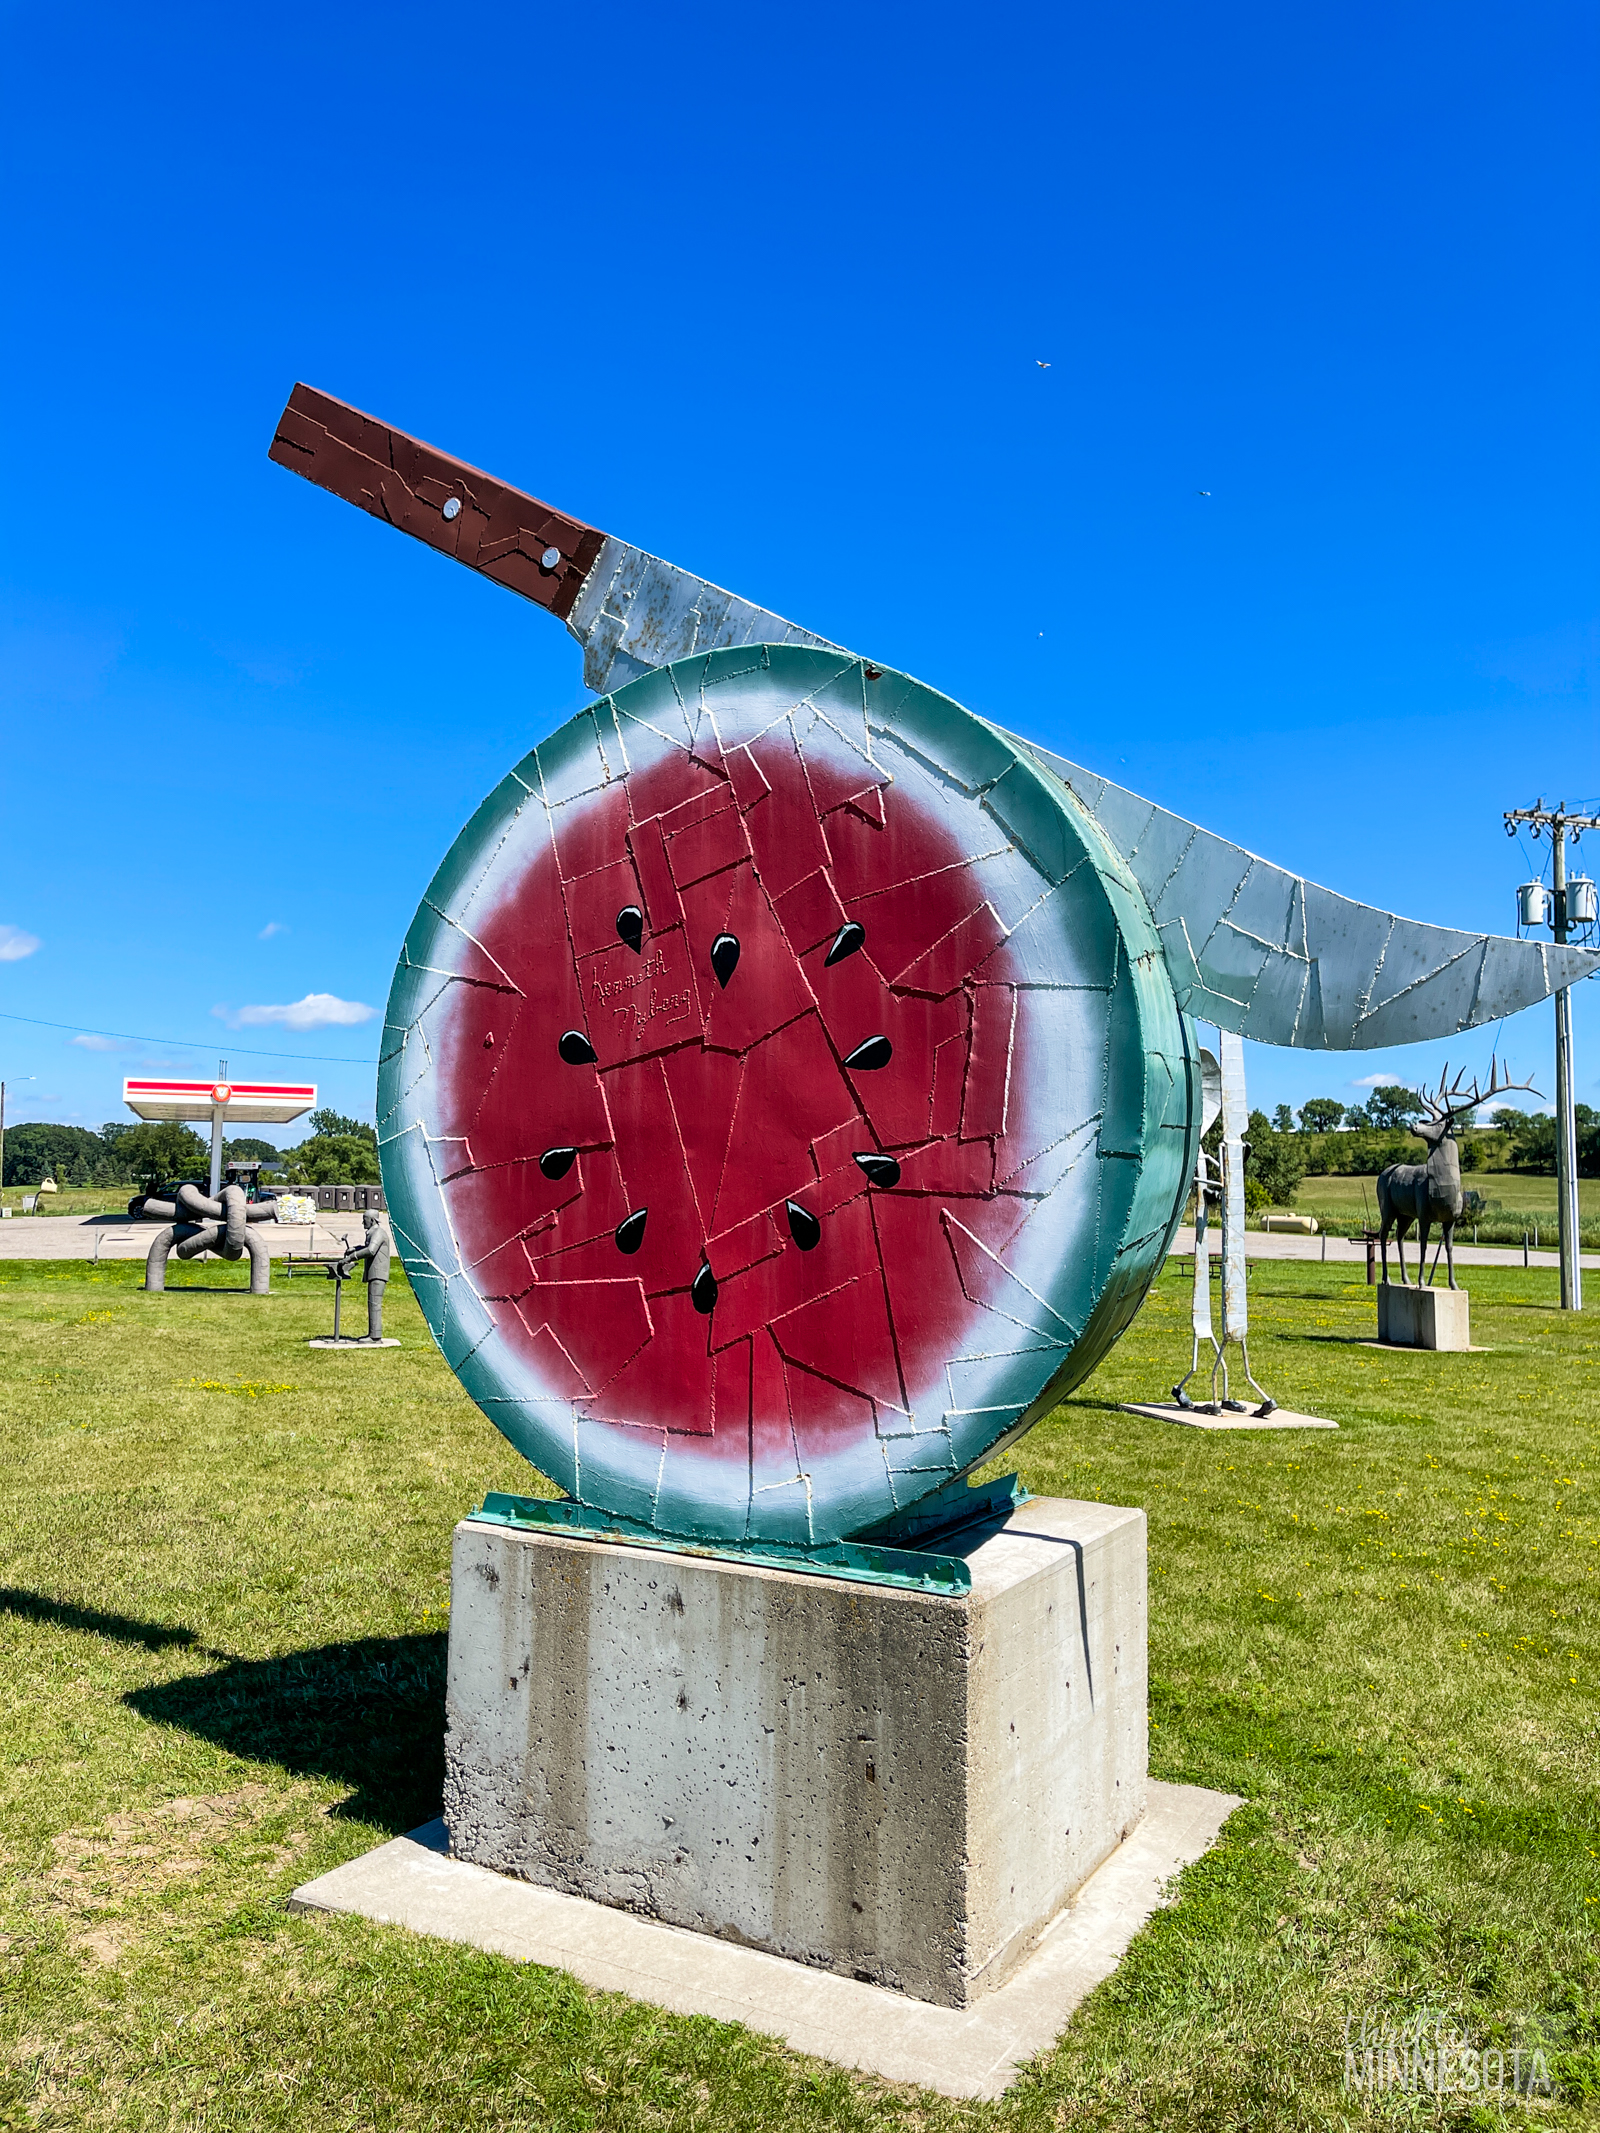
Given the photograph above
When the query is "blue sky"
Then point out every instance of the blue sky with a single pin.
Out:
(768, 291)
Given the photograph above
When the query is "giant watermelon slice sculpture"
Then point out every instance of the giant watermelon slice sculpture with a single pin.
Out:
(783, 1100)
(789, 1084)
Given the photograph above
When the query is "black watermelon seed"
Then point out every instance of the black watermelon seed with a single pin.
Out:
(703, 1292)
(556, 1162)
(880, 1169)
(630, 926)
(630, 1230)
(872, 1052)
(724, 957)
(804, 1227)
(846, 941)
(576, 1049)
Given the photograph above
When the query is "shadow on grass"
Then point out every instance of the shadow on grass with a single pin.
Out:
(61, 1614)
(1362, 1340)
(203, 1288)
(369, 1715)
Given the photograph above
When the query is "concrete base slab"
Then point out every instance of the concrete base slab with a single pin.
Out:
(1423, 1318)
(350, 1340)
(972, 2052)
(1201, 1418)
(895, 1785)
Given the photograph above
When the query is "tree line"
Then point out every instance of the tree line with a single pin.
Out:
(339, 1151)
(1358, 1139)
(1389, 1109)
(1330, 1139)
(1278, 1158)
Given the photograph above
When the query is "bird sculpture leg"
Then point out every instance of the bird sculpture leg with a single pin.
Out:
(1200, 1310)
(1178, 1392)
(1268, 1404)
(1221, 1364)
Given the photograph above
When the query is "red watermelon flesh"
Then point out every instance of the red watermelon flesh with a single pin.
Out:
(721, 1107)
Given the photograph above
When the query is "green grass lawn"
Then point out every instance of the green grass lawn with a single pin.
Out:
(75, 1200)
(222, 1641)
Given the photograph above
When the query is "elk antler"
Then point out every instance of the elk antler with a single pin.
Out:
(1453, 1100)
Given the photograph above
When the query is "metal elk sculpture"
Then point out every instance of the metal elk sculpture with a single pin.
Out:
(1430, 1192)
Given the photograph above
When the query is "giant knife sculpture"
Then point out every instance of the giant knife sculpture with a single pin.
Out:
(790, 1087)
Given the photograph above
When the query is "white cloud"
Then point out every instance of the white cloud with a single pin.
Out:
(92, 1043)
(318, 1010)
(273, 925)
(1374, 1081)
(15, 944)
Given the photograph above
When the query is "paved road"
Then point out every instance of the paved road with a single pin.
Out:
(1280, 1244)
(116, 1237)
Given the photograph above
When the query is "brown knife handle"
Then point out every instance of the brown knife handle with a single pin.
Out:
(498, 530)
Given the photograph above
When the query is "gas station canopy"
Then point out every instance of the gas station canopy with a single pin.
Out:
(255, 1103)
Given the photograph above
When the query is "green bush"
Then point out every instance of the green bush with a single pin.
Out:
(1358, 1153)
(335, 1159)
(1275, 1164)
(1322, 1114)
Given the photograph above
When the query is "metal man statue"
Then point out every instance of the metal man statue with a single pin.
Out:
(376, 1252)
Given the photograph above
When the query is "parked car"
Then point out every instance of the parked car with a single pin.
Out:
(247, 1174)
(155, 1190)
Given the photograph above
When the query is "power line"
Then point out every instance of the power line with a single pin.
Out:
(187, 1044)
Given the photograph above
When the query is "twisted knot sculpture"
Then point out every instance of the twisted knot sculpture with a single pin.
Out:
(200, 1224)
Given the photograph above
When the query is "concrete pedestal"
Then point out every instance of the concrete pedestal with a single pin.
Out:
(1423, 1318)
(900, 1788)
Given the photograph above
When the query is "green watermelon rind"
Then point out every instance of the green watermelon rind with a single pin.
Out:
(1146, 1143)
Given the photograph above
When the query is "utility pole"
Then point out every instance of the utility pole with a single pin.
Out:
(220, 1093)
(1561, 824)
